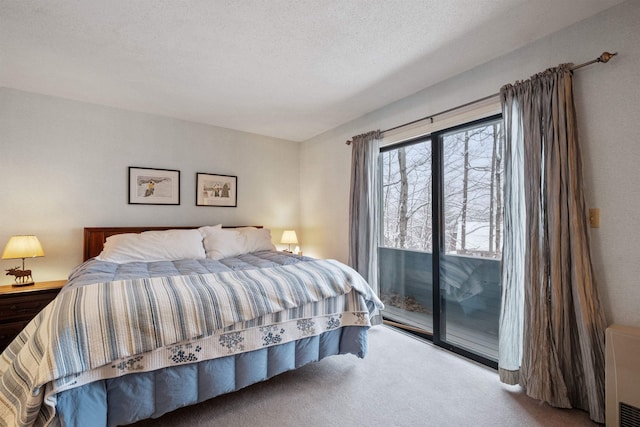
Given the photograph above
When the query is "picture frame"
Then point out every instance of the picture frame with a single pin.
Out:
(216, 190)
(151, 186)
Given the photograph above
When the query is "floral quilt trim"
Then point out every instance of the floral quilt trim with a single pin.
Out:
(225, 343)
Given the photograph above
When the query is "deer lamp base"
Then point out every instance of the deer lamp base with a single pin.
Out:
(22, 277)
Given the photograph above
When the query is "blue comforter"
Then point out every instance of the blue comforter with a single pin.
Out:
(95, 271)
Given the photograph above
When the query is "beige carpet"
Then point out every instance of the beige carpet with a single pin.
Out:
(403, 381)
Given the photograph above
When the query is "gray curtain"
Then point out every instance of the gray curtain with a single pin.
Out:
(363, 219)
(552, 324)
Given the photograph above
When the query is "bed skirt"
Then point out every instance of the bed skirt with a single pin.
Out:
(109, 402)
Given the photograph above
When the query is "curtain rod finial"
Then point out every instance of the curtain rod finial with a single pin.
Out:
(606, 56)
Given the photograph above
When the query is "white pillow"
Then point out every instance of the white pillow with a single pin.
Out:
(165, 245)
(223, 243)
(257, 239)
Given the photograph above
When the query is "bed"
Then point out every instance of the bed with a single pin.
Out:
(159, 318)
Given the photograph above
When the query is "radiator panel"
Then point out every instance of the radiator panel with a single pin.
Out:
(622, 376)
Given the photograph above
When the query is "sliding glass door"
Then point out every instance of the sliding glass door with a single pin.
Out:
(441, 231)
(406, 250)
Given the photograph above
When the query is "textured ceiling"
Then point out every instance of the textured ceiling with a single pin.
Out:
(290, 69)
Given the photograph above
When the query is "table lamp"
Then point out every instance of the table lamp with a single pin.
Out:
(21, 247)
(289, 238)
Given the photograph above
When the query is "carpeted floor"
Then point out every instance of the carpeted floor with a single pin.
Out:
(403, 381)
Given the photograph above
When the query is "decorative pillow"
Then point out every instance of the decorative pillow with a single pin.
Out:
(165, 245)
(223, 243)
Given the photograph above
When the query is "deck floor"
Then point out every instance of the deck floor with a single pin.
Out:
(478, 338)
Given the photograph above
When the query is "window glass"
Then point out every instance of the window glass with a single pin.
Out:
(406, 197)
(472, 190)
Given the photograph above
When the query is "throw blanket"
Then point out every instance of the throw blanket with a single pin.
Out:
(89, 327)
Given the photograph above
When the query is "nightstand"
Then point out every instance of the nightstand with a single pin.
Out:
(20, 304)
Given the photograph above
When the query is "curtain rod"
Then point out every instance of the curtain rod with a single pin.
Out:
(604, 58)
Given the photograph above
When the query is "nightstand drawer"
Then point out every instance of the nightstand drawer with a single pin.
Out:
(23, 307)
(8, 331)
(18, 305)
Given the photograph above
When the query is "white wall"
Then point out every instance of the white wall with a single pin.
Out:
(64, 166)
(608, 104)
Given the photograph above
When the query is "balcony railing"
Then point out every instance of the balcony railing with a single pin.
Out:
(470, 296)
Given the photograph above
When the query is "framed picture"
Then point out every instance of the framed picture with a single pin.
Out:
(148, 186)
(216, 190)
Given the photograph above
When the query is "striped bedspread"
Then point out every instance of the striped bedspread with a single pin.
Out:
(87, 330)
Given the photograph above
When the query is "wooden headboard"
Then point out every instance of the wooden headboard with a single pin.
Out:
(94, 237)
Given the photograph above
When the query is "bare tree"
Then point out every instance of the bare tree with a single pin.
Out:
(465, 191)
(494, 159)
(498, 178)
(404, 195)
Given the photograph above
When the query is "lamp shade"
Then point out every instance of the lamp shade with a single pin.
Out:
(289, 237)
(22, 247)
